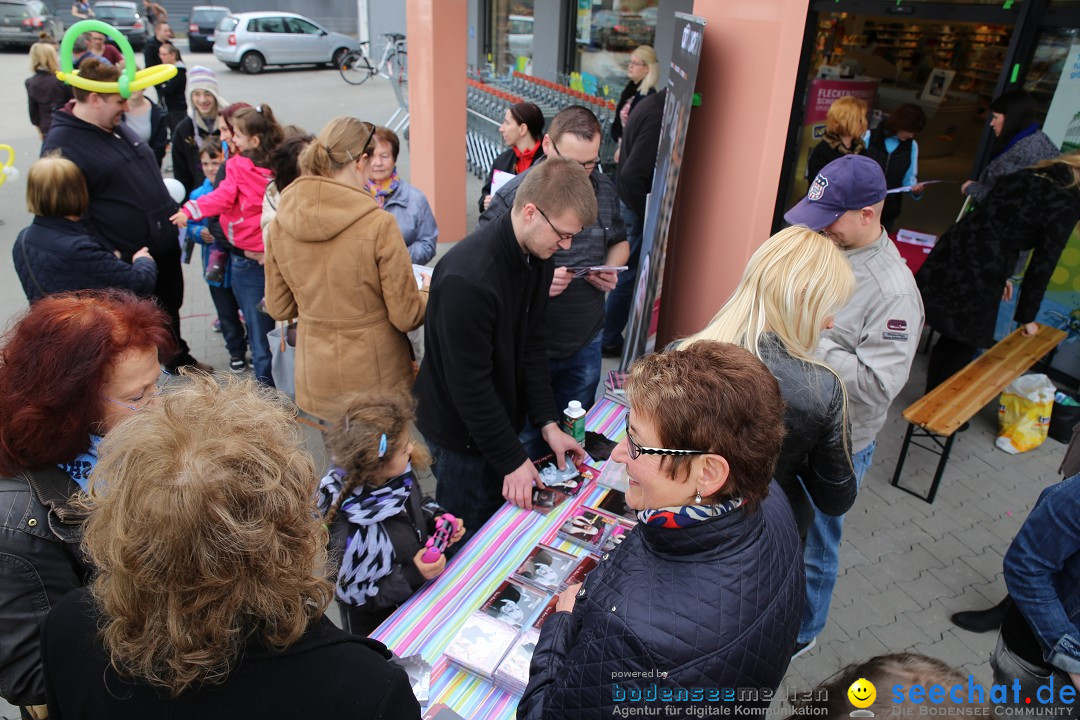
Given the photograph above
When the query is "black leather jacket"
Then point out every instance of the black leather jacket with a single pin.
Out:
(816, 448)
(40, 562)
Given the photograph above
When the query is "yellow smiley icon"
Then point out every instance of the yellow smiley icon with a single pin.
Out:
(862, 693)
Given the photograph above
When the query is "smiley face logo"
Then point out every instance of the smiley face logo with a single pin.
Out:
(862, 693)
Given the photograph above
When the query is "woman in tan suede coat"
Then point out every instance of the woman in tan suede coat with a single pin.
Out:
(339, 263)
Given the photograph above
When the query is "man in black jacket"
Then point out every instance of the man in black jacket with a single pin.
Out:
(129, 204)
(162, 34)
(485, 363)
(576, 313)
(637, 161)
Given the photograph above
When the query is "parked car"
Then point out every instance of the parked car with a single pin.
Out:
(251, 41)
(21, 21)
(125, 17)
(204, 20)
(520, 37)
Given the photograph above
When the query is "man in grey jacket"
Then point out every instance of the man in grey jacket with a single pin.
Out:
(871, 344)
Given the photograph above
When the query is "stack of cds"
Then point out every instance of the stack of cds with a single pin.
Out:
(512, 674)
(589, 528)
(497, 641)
(481, 645)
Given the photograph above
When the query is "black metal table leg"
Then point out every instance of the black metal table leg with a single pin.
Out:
(940, 468)
(903, 455)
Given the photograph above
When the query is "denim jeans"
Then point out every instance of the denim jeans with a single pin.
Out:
(617, 310)
(1009, 667)
(573, 378)
(467, 487)
(822, 557)
(1042, 572)
(231, 329)
(249, 286)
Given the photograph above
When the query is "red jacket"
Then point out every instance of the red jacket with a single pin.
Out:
(238, 200)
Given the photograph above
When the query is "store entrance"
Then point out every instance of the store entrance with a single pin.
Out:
(948, 68)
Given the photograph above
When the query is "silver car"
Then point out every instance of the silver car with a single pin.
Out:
(251, 41)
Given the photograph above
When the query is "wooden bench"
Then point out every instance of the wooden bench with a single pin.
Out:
(941, 412)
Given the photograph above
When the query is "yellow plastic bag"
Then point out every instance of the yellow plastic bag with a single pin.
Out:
(1024, 413)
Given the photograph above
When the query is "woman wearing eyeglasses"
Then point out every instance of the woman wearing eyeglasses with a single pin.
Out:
(71, 369)
(339, 263)
(791, 288)
(643, 72)
(706, 592)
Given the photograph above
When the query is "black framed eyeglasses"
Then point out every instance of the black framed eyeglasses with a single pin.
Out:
(589, 166)
(560, 233)
(637, 451)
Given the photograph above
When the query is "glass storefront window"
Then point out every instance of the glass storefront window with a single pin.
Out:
(1057, 49)
(607, 32)
(512, 33)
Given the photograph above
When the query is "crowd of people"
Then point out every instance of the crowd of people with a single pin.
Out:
(173, 549)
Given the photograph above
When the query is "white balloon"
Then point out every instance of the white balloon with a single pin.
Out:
(12, 172)
(176, 189)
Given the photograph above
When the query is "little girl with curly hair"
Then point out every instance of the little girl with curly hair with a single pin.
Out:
(377, 519)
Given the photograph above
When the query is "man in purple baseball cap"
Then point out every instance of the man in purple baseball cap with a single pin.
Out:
(870, 346)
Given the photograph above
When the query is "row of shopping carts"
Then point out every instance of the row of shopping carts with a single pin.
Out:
(489, 98)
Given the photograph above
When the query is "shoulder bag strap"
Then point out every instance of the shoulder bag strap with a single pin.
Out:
(29, 268)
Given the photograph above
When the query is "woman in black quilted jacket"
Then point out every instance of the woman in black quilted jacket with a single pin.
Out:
(706, 592)
(965, 274)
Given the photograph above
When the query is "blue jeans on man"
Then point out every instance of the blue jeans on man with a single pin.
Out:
(249, 286)
(572, 378)
(619, 300)
(822, 557)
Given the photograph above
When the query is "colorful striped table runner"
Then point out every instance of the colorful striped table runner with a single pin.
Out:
(429, 620)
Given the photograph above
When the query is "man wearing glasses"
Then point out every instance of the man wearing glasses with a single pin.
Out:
(485, 365)
(576, 314)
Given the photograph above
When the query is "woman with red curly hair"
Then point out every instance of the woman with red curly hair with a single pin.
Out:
(71, 369)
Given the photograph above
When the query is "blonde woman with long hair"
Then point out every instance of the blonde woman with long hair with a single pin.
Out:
(44, 92)
(643, 73)
(791, 288)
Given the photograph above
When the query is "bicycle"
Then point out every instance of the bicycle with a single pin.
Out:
(355, 67)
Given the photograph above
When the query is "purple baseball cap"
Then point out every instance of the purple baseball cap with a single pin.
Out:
(851, 182)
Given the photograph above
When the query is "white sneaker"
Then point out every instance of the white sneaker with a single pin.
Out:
(803, 648)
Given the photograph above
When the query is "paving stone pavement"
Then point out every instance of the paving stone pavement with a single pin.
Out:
(906, 566)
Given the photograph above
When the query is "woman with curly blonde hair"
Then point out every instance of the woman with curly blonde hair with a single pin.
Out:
(211, 585)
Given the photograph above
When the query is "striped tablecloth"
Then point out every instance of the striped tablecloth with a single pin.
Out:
(429, 620)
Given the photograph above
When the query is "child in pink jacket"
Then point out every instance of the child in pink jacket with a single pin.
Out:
(238, 200)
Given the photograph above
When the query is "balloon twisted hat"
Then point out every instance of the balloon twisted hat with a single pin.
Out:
(129, 80)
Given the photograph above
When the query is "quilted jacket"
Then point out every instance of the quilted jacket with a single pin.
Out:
(54, 255)
(712, 606)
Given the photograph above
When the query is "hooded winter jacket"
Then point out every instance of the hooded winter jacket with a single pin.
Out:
(237, 202)
(703, 608)
(129, 204)
(338, 262)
